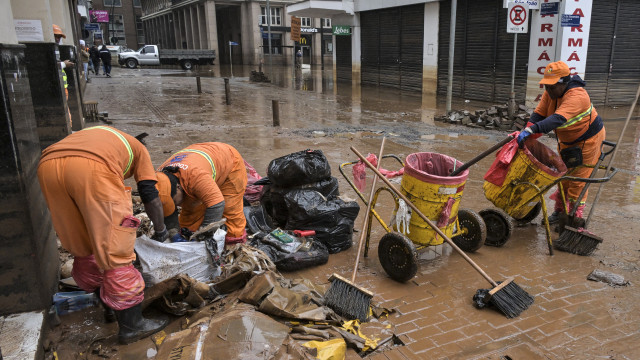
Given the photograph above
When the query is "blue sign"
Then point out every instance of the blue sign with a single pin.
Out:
(233, 43)
(549, 8)
(570, 20)
(92, 27)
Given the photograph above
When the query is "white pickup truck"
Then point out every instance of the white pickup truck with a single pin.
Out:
(152, 55)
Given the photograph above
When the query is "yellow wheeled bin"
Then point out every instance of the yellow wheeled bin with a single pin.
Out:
(427, 185)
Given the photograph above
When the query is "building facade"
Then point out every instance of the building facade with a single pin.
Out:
(124, 26)
(207, 24)
(404, 44)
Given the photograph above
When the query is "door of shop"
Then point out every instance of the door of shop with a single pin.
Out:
(343, 57)
(613, 58)
(392, 47)
(483, 52)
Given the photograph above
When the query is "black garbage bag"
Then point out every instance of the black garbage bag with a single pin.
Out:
(273, 199)
(332, 218)
(302, 167)
(316, 255)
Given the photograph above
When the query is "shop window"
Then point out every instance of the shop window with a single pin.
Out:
(276, 18)
(276, 44)
(136, 3)
(305, 22)
(328, 46)
(326, 23)
(139, 30)
(116, 3)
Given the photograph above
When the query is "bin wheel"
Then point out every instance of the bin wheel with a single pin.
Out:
(397, 255)
(476, 231)
(531, 215)
(499, 226)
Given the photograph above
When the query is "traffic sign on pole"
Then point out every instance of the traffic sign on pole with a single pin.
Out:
(518, 18)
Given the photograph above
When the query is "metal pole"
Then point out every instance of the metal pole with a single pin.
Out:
(230, 58)
(275, 106)
(452, 43)
(511, 109)
(227, 90)
(198, 84)
(321, 44)
(269, 39)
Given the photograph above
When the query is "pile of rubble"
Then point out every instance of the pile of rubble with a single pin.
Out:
(258, 76)
(495, 117)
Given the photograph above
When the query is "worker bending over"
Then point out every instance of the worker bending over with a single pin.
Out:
(208, 181)
(567, 109)
(82, 178)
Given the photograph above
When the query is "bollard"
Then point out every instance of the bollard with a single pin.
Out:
(198, 84)
(276, 112)
(227, 90)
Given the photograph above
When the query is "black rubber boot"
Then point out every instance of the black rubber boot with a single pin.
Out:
(109, 315)
(134, 327)
(554, 218)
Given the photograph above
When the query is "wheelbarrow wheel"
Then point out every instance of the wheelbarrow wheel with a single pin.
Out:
(535, 211)
(474, 231)
(398, 257)
(499, 226)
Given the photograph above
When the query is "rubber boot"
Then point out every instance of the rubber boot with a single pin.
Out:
(134, 327)
(109, 315)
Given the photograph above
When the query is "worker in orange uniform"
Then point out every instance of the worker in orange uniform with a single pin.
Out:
(82, 178)
(567, 109)
(208, 181)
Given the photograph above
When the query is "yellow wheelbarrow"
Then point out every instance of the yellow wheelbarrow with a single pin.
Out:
(531, 174)
(427, 184)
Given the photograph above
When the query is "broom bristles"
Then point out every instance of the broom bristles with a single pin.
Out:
(511, 300)
(347, 299)
(577, 241)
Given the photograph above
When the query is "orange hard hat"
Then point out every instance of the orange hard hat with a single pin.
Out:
(164, 187)
(554, 71)
(58, 31)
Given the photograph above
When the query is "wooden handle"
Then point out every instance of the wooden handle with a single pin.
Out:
(366, 215)
(481, 156)
(429, 222)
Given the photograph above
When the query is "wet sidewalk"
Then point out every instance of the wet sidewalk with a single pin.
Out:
(571, 316)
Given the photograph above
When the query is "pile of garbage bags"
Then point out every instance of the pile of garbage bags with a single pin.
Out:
(301, 194)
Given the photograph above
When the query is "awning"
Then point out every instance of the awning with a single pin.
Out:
(320, 8)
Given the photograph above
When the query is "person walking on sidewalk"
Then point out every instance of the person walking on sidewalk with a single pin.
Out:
(94, 54)
(105, 56)
(82, 179)
(208, 180)
(84, 55)
(566, 108)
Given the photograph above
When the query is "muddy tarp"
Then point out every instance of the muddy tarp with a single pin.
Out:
(273, 295)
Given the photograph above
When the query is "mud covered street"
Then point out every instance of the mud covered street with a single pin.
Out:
(435, 317)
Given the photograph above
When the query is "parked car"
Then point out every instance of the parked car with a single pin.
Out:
(152, 55)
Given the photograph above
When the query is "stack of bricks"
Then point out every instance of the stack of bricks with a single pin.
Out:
(495, 117)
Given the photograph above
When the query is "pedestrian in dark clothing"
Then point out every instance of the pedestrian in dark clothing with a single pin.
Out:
(94, 55)
(105, 56)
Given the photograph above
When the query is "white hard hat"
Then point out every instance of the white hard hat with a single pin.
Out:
(82, 42)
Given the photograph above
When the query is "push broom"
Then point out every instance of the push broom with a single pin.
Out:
(507, 296)
(344, 296)
(579, 240)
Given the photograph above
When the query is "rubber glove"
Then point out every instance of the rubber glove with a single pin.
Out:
(523, 135)
(161, 236)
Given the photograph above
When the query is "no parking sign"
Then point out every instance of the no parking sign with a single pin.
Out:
(518, 18)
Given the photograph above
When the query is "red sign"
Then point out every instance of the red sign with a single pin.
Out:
(99, 16)
(518, 15)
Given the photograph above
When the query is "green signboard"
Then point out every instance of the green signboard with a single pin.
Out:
(341, 30)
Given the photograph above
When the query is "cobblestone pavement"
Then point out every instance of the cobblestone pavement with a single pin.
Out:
(571, 317)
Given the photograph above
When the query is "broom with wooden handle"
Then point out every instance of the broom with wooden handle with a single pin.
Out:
(507, 296)
(344, 296)
(579, 240)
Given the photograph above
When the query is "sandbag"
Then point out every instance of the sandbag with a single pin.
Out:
(302, 167)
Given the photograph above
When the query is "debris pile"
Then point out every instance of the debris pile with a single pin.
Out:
(495, 117)
(258, 76)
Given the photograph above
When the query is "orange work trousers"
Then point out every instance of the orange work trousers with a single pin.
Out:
(590, 154)
(232, 189)
(88, 202)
